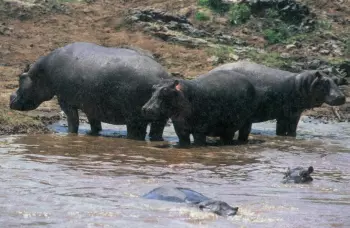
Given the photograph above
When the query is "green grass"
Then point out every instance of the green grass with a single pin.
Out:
(202, 16)
(323, 25)
(271, 59)
(239, 14)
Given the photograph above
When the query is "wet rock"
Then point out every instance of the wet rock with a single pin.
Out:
(150, 15)
(153, 21)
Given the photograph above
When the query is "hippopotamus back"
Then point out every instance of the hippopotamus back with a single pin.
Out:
(177, 194)
(186, 195)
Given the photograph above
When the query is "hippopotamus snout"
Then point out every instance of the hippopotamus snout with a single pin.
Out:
(232, 212)
(149, 112)
(13, 100)
(336, 98)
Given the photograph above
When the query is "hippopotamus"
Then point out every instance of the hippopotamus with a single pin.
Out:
(108, 84)
(298, 175)
(213, 104)
(186, 195)
(283, 95)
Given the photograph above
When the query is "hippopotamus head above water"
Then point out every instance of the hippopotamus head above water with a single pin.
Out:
(298, 175)
(186, 195)
(32, 91)
(218, 207)
(168, 100)
(319, 88)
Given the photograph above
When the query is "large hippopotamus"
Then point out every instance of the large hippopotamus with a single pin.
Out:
(214, 104)
(186, 195)
(298, 175)
(108, 84)
(283, 95)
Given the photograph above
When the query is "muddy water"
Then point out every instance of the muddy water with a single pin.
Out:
(57, 180)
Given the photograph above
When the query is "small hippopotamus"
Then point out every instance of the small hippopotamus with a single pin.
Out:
(108, 84)
(298, 175)
(213, 104)
(283, 95)
(186, 195)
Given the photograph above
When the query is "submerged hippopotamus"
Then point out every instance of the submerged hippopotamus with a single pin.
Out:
(108, 84)
(298, 175)
(283, 95)
(214, 104)
(186, 195)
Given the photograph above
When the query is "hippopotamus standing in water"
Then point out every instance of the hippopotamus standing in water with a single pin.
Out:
(215, 104)
(283, 95)
(298, 175)
(186, 195)
(108, 84)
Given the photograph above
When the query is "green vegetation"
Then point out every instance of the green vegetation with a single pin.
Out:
(222, 52)
(216, 5)
(271, 59)
(202, 16)
(239, 14)
(203, 2)
(323, 25)
(274, 36)
(271, 13)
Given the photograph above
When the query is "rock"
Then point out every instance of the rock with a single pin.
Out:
(285, 55)
(345, 67)
(290, 46)
(158, 23)
(214, 60)
(233, 57)
(325, 52)
(177, 75)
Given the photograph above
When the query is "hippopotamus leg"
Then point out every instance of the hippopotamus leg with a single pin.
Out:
(136, 129)
(227, 136)
(72, 116)
(244, 131)
(156, 130)
(95, 125)
(183, 133)
(287, 126)
(199, 138)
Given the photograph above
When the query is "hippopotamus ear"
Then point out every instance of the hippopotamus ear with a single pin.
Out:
(177, 85)
(318, 77)
(319, 74)
(310, 169)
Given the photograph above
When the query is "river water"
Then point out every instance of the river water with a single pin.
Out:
(60, 180)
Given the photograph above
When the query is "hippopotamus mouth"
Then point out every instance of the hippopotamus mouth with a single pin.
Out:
(17, 104)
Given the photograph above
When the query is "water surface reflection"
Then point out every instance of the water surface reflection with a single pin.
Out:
(57, 180)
